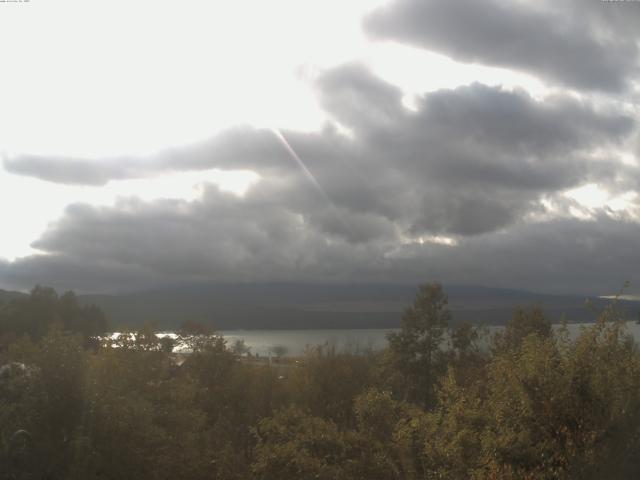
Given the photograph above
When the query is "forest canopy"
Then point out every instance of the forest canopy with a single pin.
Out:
(531, 402)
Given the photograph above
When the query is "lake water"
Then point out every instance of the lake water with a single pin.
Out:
(296, 341)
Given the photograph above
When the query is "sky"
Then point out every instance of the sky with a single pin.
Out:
(476, 142)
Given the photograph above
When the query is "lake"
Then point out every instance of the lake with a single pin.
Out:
(296, 341)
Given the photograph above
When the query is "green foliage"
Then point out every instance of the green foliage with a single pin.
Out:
(140, 420)
(535, 404)
(326, 382)
(46, 396)
(240, 347)
(35, 314)
(295, 445)
(167, 344)
(523, 324)
(414, 359)
(390, 432)
(279, 351)
(549, 408)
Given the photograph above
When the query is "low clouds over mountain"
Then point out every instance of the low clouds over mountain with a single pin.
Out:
(467, 186)
(476, 164)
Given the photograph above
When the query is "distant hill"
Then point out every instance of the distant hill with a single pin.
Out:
(306, 306)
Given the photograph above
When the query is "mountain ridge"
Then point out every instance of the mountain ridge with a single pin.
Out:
(284, 305)
(306, 306)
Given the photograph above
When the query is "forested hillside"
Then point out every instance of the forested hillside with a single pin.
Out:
(535, 404)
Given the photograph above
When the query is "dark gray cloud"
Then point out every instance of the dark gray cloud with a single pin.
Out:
(217, 237)
(468, 161)
(474, 163)
(589, 45)
(255, 148)
(562, 255)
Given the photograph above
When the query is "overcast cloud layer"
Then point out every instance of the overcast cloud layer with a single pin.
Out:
(467, 187)
(590, 45)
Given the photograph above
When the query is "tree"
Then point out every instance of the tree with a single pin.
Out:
(523, 323)
(279, 351)
(391, 436)
(295, 445)
(549, 407)
(140, 420)
(47, 398)
(167, 343)
(414, 352)
(35, 314)
(240, 348)
(326, 382)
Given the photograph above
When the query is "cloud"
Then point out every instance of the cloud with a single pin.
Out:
(253, 146)
(565, 255)
(562, 255)
(581, 45)
(218, 237)
(468, 160)
(477, 164)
